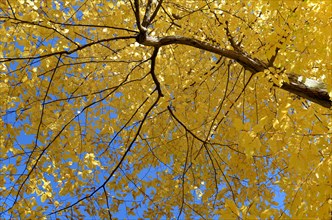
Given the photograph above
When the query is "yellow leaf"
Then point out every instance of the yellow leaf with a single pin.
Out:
(230, 204)
(25, 78)
(43, 197)
(238, 123)
(266, 213)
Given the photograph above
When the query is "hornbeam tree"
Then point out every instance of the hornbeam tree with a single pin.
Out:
(165, 109)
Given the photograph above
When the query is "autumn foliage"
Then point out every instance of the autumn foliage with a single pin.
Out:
(165, 109)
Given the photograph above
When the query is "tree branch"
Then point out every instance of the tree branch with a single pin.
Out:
(153, 74)
(155, 12)
(313, 93)
(253, 65)
(146, 17)
(310, 89)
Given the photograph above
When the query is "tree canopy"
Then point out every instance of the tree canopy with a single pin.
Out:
(165, 109)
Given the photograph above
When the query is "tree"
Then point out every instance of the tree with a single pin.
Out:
(165, 109)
